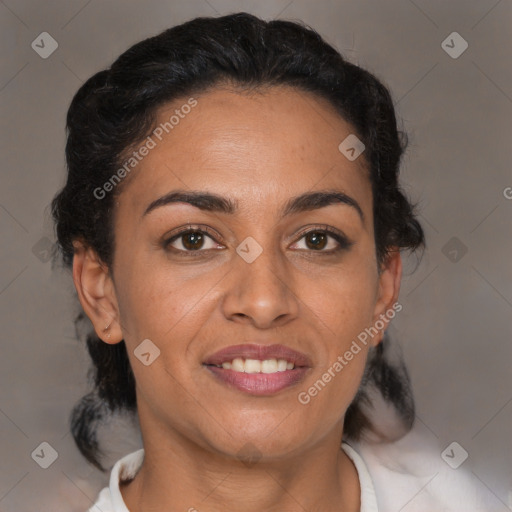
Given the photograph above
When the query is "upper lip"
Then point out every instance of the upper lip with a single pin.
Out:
(259, 352)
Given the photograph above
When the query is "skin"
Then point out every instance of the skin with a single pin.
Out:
(260, 149)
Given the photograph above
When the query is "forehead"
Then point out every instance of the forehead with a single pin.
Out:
(251, 146)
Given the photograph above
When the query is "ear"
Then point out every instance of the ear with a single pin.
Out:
(387, 294)
(96, 293)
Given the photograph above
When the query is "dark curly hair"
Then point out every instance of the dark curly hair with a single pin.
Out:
(116, 109)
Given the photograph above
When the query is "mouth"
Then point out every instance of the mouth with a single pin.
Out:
(260, 370)
(255, 366)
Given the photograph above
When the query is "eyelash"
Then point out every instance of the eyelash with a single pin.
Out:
(344, 243)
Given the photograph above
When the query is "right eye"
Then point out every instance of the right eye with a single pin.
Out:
(189, 241)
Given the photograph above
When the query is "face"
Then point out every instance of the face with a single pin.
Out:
(263, 269)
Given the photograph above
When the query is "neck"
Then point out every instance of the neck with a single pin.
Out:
(178, 474)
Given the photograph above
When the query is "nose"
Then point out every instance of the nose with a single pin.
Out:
(261, 293)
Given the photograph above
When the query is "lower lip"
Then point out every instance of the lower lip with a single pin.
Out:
(260, 384)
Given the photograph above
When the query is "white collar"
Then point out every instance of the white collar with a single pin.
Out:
(127, 467)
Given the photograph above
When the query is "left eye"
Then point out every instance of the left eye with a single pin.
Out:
(318, 240)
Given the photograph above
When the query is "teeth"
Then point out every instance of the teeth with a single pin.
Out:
(252, 366)
(256, 366)
(238, 365)
(269, 366)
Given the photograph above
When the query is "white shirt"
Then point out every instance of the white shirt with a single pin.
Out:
(111, 500)
(408, 475)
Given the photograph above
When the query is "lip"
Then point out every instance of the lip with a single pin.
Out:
(259, 352)
(259, 384)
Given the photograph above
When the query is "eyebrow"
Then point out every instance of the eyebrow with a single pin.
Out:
(214, 203)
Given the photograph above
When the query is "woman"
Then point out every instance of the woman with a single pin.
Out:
(234, 223)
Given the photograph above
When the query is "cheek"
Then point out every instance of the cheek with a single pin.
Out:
(342, 306)
(343, 301)
(163, 304)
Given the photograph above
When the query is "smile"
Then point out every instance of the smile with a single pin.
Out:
(260, 370)
(256, 366)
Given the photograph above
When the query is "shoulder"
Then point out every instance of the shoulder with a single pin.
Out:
(110, 498)
(411, 474)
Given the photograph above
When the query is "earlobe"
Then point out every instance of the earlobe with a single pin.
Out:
(388, 291)
(96, 293)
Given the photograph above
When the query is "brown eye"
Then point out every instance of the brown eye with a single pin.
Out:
(192, 241)
(324, 240)
(316, 240)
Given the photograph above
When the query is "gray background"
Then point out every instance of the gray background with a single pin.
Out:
(455, 328)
